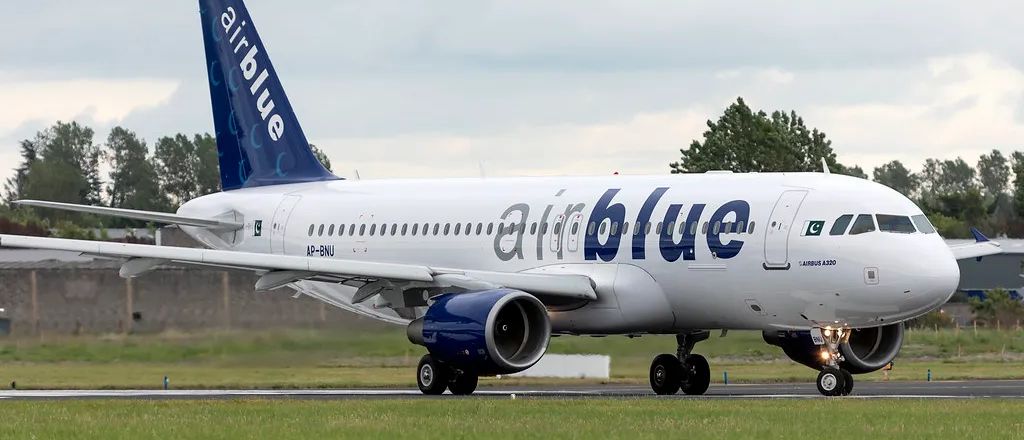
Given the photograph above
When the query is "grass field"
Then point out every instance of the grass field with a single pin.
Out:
(320, 359)
(521, 418)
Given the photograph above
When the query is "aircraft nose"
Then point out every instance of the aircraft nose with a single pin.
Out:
(936, 278)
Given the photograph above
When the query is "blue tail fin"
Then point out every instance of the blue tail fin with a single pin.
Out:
(259, 141)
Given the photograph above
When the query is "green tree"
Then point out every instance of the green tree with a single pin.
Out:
(322, 157)
(133, 179)
(994, 173)
(998, 308)
(176, 161)
(14, 188)
(898, 177)
(64, 168)
(745, 141)
(208, 166)
(1017, 164)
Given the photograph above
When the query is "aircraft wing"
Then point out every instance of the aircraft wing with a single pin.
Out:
(228, 224)
(280, 270)
(981, 247)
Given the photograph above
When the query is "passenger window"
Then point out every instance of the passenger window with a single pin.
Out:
(426, 228)
(615, 228)
(415, 228)
(490, 228)
(647, 228)
(923, 224)
(704, 229)
(670, 228)
(437, 228)
(839, 227)
(657, 230)
(543, 228)
(362, 230)
(739, 227)
(458, 228)
(394, 228)
(864, 223)
(405, 228)
(479, 228)
(717, 228)
(750, 227)
(693, 228)
(895, 223)
(533, 228)
(558, 228)
(320, 231)
(591, 228)
(603, 227)
(383, 229)
(625, 228)
(575, 228)
(447, 227)
(330, 230)
(373, 229)
(311, 230)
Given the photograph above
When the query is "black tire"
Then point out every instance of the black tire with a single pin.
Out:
(698, 376)
(666, 373)
(464, 384)
(831, 382)
(847, 382)
(431, 377)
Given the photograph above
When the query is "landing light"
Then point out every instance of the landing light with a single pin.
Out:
(824, 355)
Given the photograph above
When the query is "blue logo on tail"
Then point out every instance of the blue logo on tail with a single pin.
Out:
(259, 140)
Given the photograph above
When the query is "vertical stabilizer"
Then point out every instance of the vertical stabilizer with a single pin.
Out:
(259, 140)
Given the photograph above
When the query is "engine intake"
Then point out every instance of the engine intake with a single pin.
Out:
(497, 331)
(867, 349)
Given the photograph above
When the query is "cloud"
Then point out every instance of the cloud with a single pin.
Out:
(98, 100)
(642, 144)
(961, 105)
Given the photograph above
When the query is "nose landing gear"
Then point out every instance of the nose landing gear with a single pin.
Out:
(833, 380)
(683, 370)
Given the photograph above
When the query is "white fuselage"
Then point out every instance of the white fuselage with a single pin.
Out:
(706, 273)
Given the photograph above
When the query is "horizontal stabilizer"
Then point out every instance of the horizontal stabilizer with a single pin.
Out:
(150, 216)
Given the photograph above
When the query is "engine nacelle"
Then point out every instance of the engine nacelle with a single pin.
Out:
(867, 349)
(491, 332)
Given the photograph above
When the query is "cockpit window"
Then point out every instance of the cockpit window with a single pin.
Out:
(895, 223)
(864, 223)
(923, 224)
(839, 227)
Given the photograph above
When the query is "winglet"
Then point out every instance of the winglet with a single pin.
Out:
(824, 166)
(978, 236)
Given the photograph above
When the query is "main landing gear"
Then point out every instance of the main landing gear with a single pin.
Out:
(434, 377)
(833, 380)
(682, 371)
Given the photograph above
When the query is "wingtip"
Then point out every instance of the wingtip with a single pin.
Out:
(978, 236)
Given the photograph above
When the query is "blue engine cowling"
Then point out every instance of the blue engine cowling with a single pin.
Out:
(866, 350)
(498, 331)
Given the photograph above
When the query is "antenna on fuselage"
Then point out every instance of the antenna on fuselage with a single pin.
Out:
(824, 166)
(357, 175)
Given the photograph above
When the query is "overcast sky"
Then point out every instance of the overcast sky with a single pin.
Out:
(435, 88)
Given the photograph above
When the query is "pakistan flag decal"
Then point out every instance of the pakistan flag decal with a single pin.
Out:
(813, 227)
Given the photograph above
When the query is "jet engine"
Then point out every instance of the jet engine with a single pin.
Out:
(866, 350)
(489, 332)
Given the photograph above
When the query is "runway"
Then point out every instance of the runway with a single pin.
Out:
(974, 389)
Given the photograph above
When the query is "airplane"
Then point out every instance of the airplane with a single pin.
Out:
(482, 272)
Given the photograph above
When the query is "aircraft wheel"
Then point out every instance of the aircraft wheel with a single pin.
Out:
(666, 374)
(847, 382)
(831, 382)
(698, 376)
(431, 376)
(464, 384)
